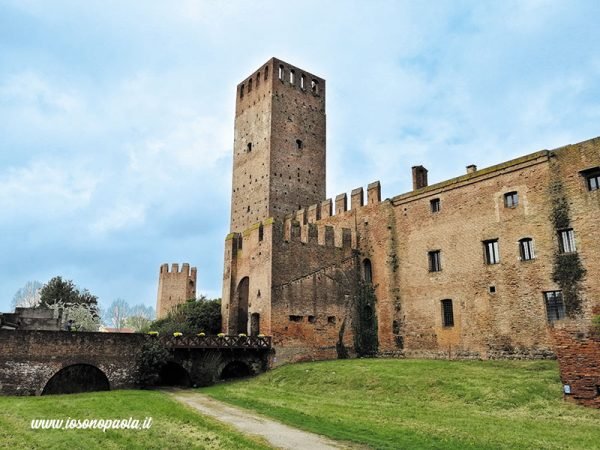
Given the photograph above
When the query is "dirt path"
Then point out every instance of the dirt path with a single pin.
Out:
(277, 434)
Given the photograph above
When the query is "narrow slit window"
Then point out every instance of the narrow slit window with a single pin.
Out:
(302, 81)
(281, 73)
(368, 271)
(250, 85)
(447, 313)
(242, 91)
(492, 251)
(257, 80)
(266, 72)
(299, 144)
(314, 86)
(249, 146)
(292, 77)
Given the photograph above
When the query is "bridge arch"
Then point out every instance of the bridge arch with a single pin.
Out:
(174, 374)
(75, 378)
(235, 369)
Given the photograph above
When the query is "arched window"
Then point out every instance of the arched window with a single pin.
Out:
(299, 144)
(302, 81)
(367, 271)
(292, 77)
(257, 80)
(314, 86)
(250, 85)
(242, 91)
(266, 72)
(281, 72)
(526, 249)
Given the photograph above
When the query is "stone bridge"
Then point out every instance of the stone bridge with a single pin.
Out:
(50, 362)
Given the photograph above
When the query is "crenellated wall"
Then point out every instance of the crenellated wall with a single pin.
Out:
(175, 287)
(303, 264)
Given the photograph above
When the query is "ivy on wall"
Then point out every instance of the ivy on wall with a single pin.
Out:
(365, 324)
(568, 272)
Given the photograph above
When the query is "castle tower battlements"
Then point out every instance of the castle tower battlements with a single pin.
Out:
(175, 286)
(279, 144)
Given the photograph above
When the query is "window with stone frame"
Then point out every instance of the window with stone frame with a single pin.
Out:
(511, 199)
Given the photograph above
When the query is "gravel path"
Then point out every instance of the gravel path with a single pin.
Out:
(277, 434)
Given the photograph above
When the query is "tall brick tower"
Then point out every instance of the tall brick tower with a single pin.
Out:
(174, 287)
(279, 144)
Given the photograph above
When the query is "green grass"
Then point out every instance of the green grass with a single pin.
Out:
(422, 404)
(174, 425)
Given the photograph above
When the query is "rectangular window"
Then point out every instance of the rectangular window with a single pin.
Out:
(593, 182)
(526, 249)
(511, 199)
(492, 252)
(592, 178)
(447, 313)
(566, 239)
(435, 205)
(435, 261)
(555, 307)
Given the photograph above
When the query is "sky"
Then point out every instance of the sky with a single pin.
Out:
(116, 117)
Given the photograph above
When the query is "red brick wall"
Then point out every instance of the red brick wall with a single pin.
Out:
(578, 355)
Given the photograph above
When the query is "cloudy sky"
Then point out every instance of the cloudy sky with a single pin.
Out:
(116, 117)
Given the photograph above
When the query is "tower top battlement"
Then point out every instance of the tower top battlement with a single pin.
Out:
(279, 144)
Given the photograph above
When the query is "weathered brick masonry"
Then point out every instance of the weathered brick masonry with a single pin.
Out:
(175, 287)
(578, 352)
(30, 358)
(293, 261)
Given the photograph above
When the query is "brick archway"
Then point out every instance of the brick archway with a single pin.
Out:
(75, 378)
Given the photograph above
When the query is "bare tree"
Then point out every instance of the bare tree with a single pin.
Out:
(140, 317)
(28, 296)
(117, 313)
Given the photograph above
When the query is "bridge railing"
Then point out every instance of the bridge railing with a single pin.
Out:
(250, 342)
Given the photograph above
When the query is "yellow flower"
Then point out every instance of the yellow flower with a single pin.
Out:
(177, 334)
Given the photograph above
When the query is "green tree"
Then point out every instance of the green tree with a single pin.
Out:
(194, 316)
(78, 306)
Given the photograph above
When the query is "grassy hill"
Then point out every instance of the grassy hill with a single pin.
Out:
(173, 427)
(412, 404)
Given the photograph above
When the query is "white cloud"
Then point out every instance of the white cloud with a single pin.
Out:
(118, 218)
(44, 190)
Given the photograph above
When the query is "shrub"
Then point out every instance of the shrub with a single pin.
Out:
(151, 359)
